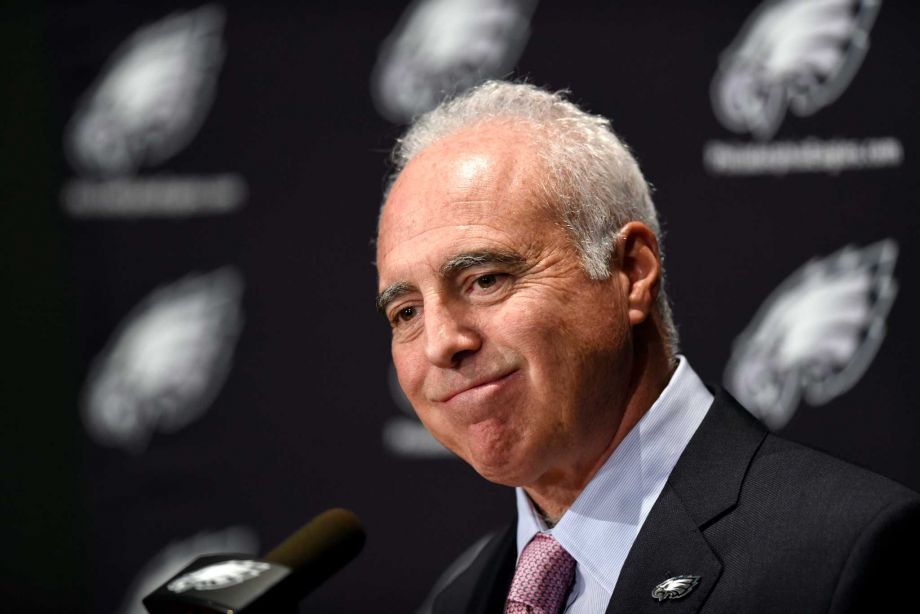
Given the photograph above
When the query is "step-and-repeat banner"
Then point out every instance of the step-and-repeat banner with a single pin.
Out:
(221, 170)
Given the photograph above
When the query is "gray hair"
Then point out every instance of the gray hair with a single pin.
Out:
(594, 182)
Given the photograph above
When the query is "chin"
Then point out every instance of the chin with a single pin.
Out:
(503, 470)
(493, 451)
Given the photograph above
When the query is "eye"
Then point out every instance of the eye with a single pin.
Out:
(405, 314)
(488, 285)
(487, 281)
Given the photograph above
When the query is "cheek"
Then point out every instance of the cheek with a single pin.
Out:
(538, 329)
(562, 340)
(409, 371)
(411, 374)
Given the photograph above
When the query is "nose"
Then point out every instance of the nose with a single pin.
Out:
(450, 335)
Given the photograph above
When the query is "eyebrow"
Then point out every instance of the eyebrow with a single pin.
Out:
(451, 267)
(467, 260)
(391, 293)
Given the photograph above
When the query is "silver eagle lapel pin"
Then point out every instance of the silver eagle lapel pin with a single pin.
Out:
(675, 588)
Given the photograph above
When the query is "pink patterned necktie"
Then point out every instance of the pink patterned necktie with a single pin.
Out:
(543, 577)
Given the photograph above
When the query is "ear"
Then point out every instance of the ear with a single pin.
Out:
(638, 266)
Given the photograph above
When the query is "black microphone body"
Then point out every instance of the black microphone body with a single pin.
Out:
(241, 584)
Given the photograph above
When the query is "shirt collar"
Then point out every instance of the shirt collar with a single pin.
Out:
(599, 528)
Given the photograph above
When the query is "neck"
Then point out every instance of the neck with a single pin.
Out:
(555, 492)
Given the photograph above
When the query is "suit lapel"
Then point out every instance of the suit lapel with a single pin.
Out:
(483, 586)
(704, 485)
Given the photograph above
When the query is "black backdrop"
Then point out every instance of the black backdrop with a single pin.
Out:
(197, 364)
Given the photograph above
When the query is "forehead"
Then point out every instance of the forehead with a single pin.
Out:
(479, 182)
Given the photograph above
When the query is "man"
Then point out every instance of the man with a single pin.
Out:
(520, 269)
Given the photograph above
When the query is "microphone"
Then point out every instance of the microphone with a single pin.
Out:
(240, 584)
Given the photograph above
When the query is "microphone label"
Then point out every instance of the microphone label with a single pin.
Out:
(218, 576)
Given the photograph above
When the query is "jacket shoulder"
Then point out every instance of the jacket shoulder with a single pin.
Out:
(806, 531)
(799, 474)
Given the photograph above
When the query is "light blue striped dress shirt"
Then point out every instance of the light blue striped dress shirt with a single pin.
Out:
(601, 526)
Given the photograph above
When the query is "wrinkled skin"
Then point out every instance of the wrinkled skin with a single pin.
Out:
(510, 354)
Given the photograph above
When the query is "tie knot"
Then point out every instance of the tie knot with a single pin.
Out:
(542, 579)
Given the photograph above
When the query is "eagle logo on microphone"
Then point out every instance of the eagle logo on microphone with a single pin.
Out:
(218, 575)
(791, 54)
(816, 334)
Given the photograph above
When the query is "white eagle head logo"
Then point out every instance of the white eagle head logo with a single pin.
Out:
(443, 47)
(175, 556)
(152, 96)
(816, 334)
(675, 588)
(166, 363)
(790, 54)
(218, 576)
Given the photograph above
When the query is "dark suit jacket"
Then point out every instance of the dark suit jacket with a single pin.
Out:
(768, 525)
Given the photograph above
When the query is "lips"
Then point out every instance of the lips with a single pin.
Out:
(474, 385)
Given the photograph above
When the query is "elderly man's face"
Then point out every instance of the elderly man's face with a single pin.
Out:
(512, 357)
